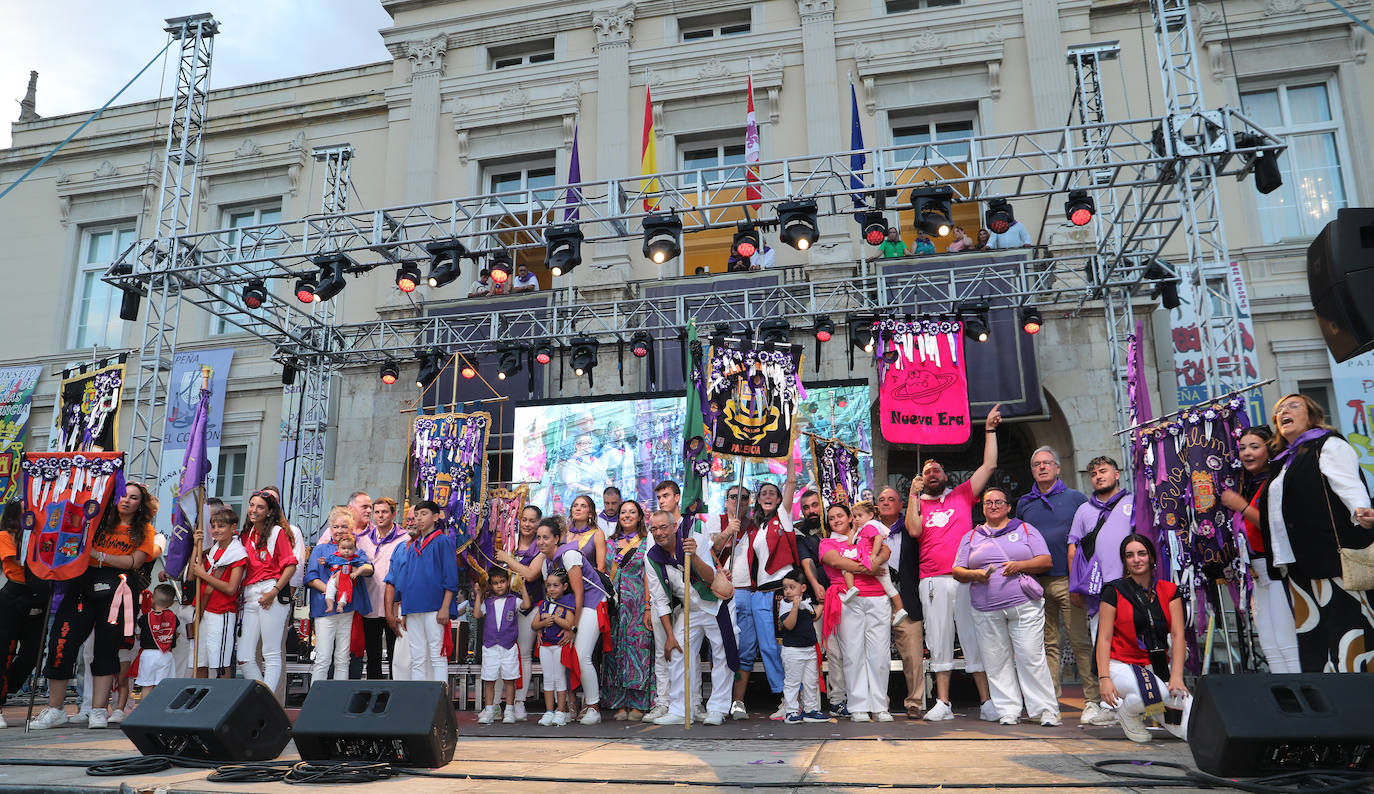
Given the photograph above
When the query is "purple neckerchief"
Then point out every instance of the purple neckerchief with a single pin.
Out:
(1311, 434)
(395, 532)
(1035, 493)
(605, 516)
(1110, 503)
(897, 526)
(370, 533)
(989, 532)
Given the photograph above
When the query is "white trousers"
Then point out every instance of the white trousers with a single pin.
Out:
(834, 665)
(1278, 635)
(947, 610)
(181, 652)
(704, 627)
(661, 680)
(1130, 702)
(1012, 642)
(525, 642)
(800, 676)
(588, 635)
(866, 633)
(426, 635)
(265, 626)
(551, 666)
(216, 639)
(332, 636)
(400, 658)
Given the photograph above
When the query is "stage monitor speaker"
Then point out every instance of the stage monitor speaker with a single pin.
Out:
(406, 723)
(1256, 724)
(1340, 276)
(221, 719)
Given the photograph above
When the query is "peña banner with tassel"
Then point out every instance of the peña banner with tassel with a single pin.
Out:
(65, 494)
(450, 459)
(835, 467)
(503, 520)
(752, 396)
(923, 397)
(87, 415)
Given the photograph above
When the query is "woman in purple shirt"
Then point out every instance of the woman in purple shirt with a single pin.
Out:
(997, 560)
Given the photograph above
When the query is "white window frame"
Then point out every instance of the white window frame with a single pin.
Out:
(218, 326)
(522, 53)
(906, 6)
(83, 268)
(1335, 126)
(224, 483)
(715, 26)
(906, 119)
(720, 143)
(541, 162)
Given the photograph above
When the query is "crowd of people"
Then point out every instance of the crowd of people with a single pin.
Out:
(612, 603)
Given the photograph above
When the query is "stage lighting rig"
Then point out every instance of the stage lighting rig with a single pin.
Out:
(332, 279)
(797, 224)
(1080, 208)
(1265, 165)
(662, 237)
(874, 227)
(305, 288)
(510, 363)
(584, 354)
(255, 294)
(468, 370)
(641, 344)
(563, 248)
(932, 206)
(133, 295)
(543, 353)
(444, 263)
(1165, 285)
(408, 277)
(999, 216)
(1031, 321)
(824, 328)
(861, 331)
(391, 371)
(747, 241)
(500, 269)
(431, 364)
(974, 315)
(776, 331)
(288, 373)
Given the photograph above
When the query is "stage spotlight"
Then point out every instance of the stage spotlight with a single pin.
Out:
(431, 364)
(932, 209)
(563, 248)
(500, 269)
(861, 331)
(391, 371)
(583, 354)
(662, 237)
(874, 227)
(332, 278)
(444, 261)
(288, 373)
(511, 354)
(1031, 321)
(776, 331)
(1080, 208)
(999, 216)
(1265, 165)
(824, 328)
(974, 314)
(1165, 287)
(129, 303)
(255, 294)
(408, 277)
(468, 370)
(746, 242)
(305, 288)
(641, 343)
(543, 353)
(797, 225)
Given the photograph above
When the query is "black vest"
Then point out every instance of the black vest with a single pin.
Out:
(1306, 495)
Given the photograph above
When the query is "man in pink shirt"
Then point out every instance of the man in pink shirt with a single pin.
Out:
(940, 516)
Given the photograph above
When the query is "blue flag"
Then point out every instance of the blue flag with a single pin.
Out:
(858, 159)
(572, 211)
(194, 468)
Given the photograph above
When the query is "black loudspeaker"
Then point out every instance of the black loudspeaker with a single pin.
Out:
(221, 719)
(1258, 724)
(406, 723)
(1340, 276)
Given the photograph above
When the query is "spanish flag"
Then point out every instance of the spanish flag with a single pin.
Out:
(648, 156)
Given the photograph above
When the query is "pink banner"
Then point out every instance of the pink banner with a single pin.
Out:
(924, 393)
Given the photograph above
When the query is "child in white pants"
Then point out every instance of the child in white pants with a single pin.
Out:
(801, 692)
(556, 614)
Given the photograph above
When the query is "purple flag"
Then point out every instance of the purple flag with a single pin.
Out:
(195, 466)
(1139, 392)
(572, 211)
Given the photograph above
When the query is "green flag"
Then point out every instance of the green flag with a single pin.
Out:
(696, 455)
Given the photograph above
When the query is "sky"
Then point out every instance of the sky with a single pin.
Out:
(85, 50)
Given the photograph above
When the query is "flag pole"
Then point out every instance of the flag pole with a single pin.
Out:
(687, 636)
(199, 553)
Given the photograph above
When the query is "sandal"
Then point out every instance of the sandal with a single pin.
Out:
(635, 715)
(620, 716)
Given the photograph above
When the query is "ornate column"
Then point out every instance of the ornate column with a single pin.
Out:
(1044, 39)
(426, 67)
(608, 263)
(827, 119)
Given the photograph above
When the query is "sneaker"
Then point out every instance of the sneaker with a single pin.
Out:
(795, 718)
(670, 719)
(1009, 720)
(940, 711)
(509, 719)
(48, 718)
(882, 716)
(1091, 712)
(79, 718)
(547, 719)
(814, 716)
(560, 718)
(738, 711)
(520, 713)
(988, 712)
(841, 710)
(654, 713)
(3, 724)
(780, 713)
(1105, 715)
(859, 716)
(1134, 727)
(592, 717)
(714, 718)
(100, 719)
(899, 617)
(117, 716)
(848, 594)
(1050, 719)
(487, 716)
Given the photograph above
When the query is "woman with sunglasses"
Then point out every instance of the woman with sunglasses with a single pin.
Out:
(998, 560)
(271, 562)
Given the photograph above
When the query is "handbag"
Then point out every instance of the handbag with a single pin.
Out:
(1357, 565)
(1031, 587)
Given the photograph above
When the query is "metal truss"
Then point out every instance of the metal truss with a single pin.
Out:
(150, 263)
